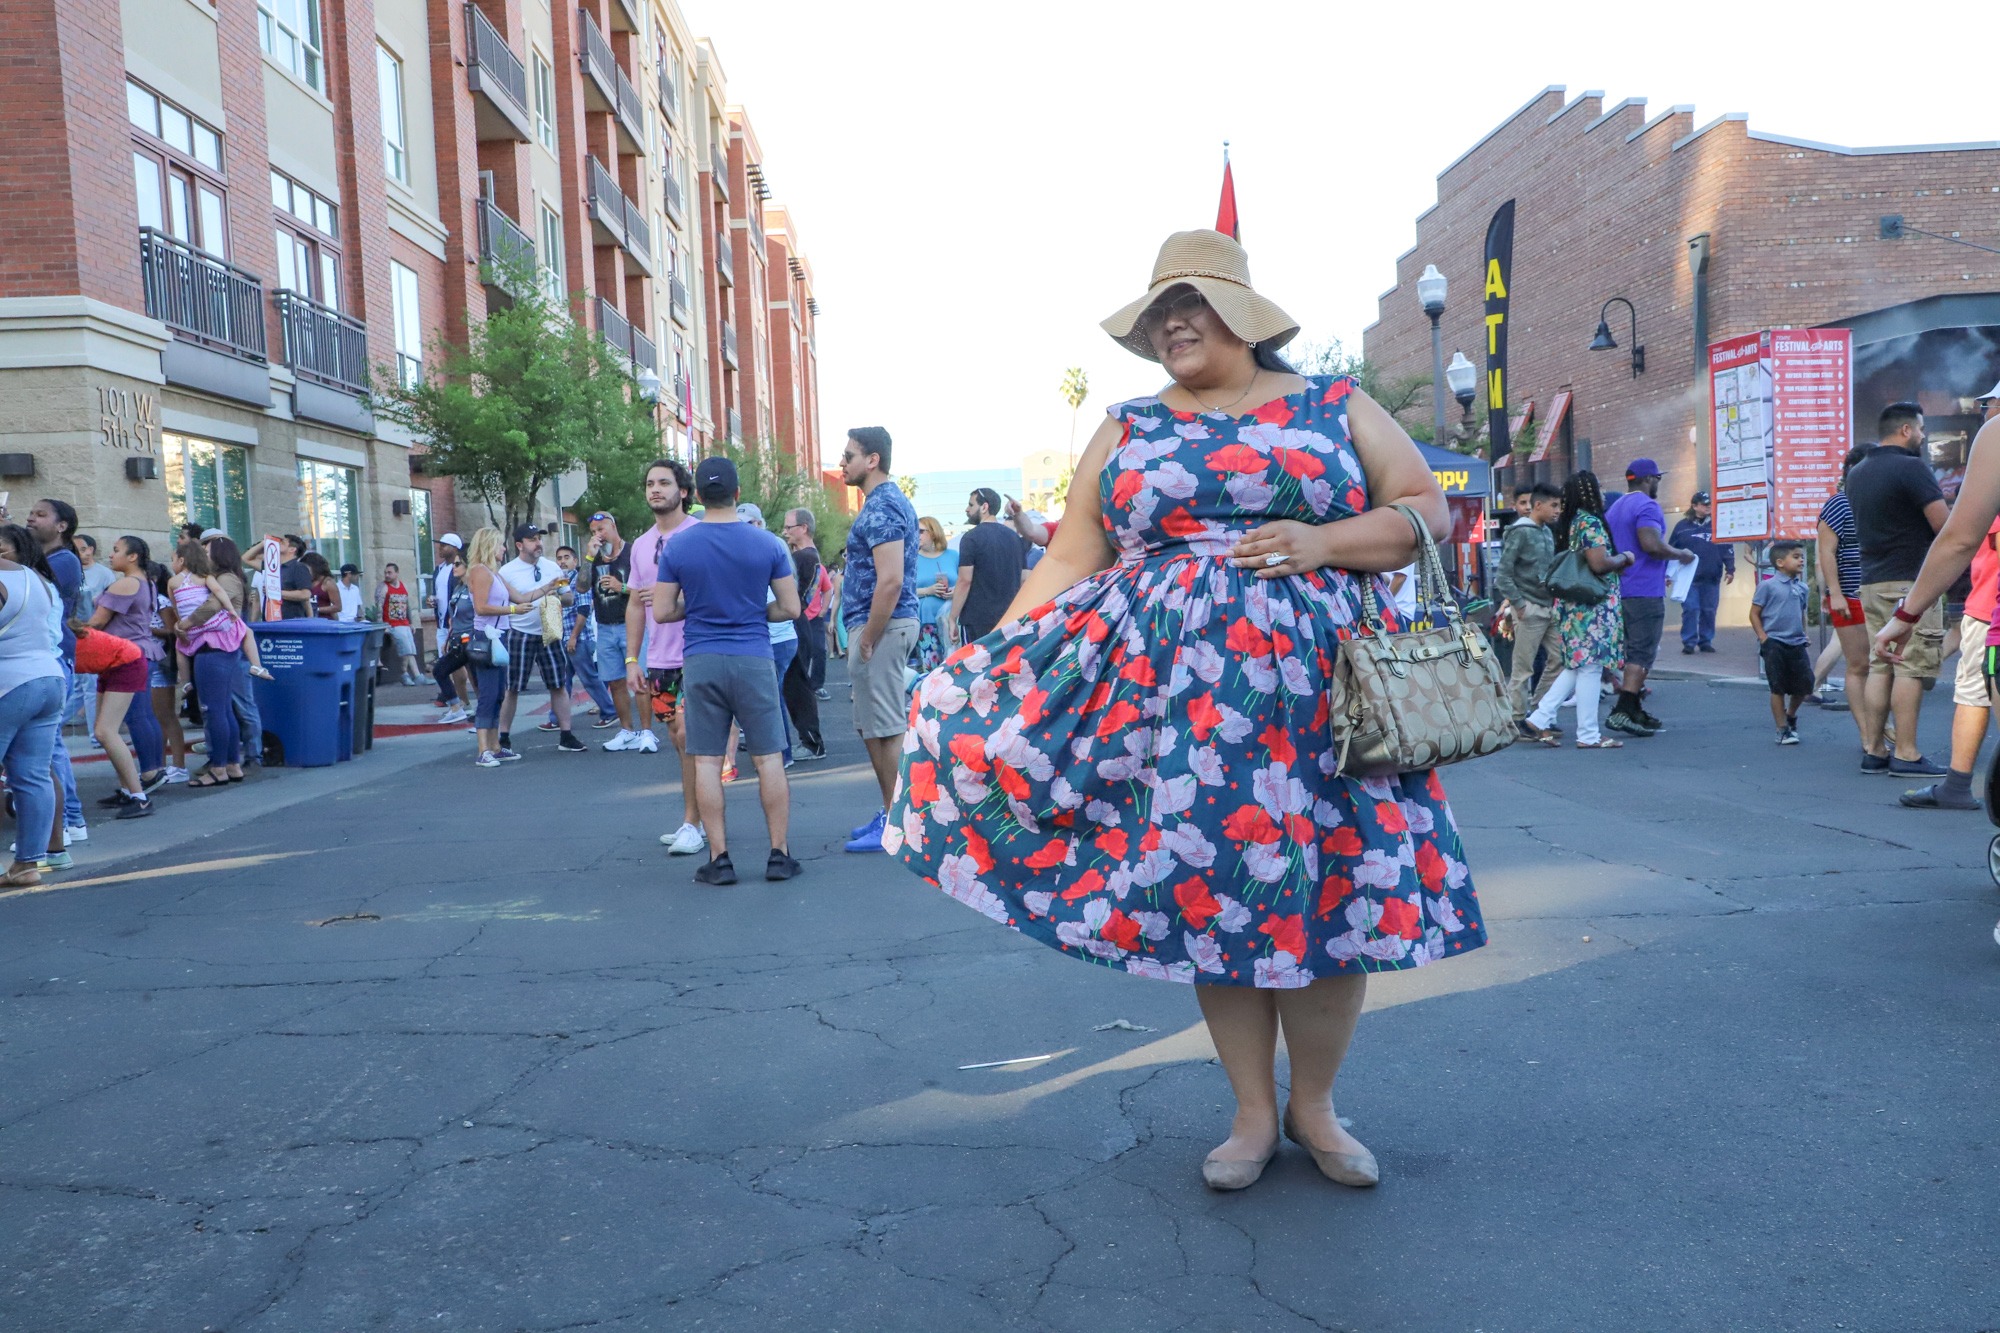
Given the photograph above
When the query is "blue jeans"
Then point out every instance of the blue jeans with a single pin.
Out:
(59, 764)
(214, 684)
(149, 742)
(30, 721)
(583, 666)
(1698, 613)
(492, 682)
(249, 722)
(784, 650)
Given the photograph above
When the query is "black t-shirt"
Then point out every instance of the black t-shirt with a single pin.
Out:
(293, 576)
(1889, 491)
(805, 559)
(996, 555)
(610, 607)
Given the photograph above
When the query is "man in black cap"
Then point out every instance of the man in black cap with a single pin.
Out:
(532, 643)
(726, 581)
(1715, 565)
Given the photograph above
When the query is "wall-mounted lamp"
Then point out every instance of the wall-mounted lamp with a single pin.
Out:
(1604, 342)
(142, 467)
(17, 465)
(400, 508)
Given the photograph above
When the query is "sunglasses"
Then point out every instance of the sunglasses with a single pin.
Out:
(1184, 307)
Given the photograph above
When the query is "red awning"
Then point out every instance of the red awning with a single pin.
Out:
(1514, 428)
(1551, 428)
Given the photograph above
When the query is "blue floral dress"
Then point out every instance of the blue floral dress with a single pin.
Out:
(1140, 773)
(1591, 633)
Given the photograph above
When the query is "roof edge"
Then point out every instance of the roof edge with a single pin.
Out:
(1639, 102)
(1722, 119)
(1521, 111)
(1678, 109)
(1574, 103)
(1786, 139)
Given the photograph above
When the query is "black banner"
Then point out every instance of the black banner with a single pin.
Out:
(1499, 270)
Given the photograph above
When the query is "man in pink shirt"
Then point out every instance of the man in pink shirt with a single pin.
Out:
(654, 652)
(1974, 708)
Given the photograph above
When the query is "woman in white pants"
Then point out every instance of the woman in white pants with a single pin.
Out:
(1592, 633)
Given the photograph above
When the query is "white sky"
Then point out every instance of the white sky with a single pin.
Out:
(976, 186)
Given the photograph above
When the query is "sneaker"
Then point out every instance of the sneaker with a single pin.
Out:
(138, 809)
(647, 743)
(1708, 647)
(685, 840)
(1919, 767)
(505, 755)
(880, 818)
(781, 865)
(487, 759)
(1874, 763)
(717, 871)
(453, 716)
(821, 695)
(807, 750)
(571, 745)
(75, 833)
(624, 740)
(870, 838)
(549, 725)
(175, 776)
(55, 861)
(1933, 798)
(1626, 723)
(1687, 650)
(729, 774)
(1788, 736)
(117, 800)
(604, 722)
(1652, 723)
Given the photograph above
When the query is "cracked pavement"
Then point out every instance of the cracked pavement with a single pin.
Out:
(1730, 1062)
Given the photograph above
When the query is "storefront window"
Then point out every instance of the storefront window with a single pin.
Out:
(420, 516)
(208, 484)
(330, 511)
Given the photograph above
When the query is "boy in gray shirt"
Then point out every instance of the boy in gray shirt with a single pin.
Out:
(1778, 615)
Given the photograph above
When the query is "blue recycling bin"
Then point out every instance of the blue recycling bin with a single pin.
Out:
(309, 703)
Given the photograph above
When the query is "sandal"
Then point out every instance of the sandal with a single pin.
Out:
(1552, 739)
(24, 876)
(1600, 745)
(207, 780)
(261, 674)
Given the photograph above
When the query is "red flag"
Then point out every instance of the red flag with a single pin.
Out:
(1225, 212)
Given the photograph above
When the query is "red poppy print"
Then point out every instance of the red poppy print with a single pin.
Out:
(1237, 458)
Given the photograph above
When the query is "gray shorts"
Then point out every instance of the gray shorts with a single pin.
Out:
(881, 707)
(718, 688)
(1644, 619)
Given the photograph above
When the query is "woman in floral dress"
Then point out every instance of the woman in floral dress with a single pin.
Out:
(1592, 633)
(1136, 767)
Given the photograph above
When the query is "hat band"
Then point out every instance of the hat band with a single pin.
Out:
(1159, 278)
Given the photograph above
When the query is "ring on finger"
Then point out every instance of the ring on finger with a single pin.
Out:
(1273, 560)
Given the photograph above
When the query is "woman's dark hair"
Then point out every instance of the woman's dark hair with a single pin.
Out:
(65, 514)
(27, 551)
(316, 562)
(1267, 358)
(138, 547)
(225, 556)
(160, 575)
(1580, 495)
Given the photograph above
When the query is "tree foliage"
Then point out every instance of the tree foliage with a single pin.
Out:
(1407, 398)
(772, 480)
(531, 396)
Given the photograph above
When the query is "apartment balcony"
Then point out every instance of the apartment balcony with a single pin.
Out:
(631, 116)
(506, 253)
(736, 427)
(216, 311)
(328, 354)
(729, 346)
(600, 67)
(614, 329)
(682, 396)
(725, 262)
(718, 162)
(642, 353)
(496, 74)
(677, 301)
(639, 236)
(626, 16)
(606, 204)
(670, 99)
(676, 201)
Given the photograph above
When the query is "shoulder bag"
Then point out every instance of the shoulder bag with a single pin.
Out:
(1572, 580)
(1404, 703)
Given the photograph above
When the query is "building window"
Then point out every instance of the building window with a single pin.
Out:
(420, 519)
(208, 484)
(308, 246)
(409, 326)
(550, 255)
(395, 140)
(545, 102)
(177, 172)
(288, 30)
(330, 511)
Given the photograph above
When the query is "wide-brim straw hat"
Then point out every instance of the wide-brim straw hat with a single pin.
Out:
(1218, 268)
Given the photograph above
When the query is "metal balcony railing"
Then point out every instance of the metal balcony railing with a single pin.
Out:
(718, 162)
(494, 69)
(670, 97)
(594, 54)
(606, 201)
(614, 328)
(631, 114)
(729, 345)
(725, 261)
(677, 299)
(736, 428)
(321, 344)
(676, 206)
(638, 235)
(502, 242)
(642, 353)
(201, 298)
(682, 396)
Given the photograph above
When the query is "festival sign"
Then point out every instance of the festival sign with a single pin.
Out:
(1739, 385)
(1812, 420)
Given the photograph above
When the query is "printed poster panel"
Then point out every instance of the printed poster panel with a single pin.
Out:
(1739, 381)
(1812, 403)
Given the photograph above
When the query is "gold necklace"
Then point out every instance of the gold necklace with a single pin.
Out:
(1254, 376)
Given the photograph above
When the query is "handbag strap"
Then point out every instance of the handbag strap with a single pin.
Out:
(1432, 585)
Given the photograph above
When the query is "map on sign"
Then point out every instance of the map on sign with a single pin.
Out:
(1740, 398)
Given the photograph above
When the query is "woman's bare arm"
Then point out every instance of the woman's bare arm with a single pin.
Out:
(1079, 548)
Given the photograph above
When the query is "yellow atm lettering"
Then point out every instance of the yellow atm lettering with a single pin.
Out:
(1493, 323)
(1495, 284)
(1495, 390)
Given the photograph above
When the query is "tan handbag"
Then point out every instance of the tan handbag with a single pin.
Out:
(1403, 703)
(551, 610)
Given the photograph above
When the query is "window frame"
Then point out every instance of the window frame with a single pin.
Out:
(322, 245)
(396, 147)
(406, 319)
(175, 164)
(178, 462)
(542, 92)
(307, 59)
(547, 248)
(338, 549)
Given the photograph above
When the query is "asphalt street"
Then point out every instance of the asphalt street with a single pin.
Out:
(410, 1045)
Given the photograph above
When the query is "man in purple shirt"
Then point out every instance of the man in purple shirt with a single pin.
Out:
(1638, 526)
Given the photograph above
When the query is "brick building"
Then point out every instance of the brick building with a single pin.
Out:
(225, 216)
(793, 340)
(1609, 203)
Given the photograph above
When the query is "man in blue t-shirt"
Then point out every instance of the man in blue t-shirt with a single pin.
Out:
(1638, 526)
(713, 578)
(879, 605)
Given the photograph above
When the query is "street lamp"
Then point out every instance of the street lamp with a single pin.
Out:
(1430, 293)
(1463, 377)
(1604, 342)
(649, 384)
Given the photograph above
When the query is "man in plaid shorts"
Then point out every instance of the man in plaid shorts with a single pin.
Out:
(530, 582)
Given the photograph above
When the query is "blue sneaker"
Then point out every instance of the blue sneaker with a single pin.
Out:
(869, 837)
(874, 825)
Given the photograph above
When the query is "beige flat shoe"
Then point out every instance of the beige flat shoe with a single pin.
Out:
(1356, 1169)
(1234, 1174)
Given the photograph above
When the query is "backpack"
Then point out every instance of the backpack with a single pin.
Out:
(822, 588)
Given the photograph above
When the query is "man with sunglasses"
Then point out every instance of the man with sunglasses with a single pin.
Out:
(610, 558)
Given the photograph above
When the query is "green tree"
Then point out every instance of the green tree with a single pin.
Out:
(1075, 388)
(772, 480)
(532, 395)
(1404, 397)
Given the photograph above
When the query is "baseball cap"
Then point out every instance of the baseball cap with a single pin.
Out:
(451, 539)
(210, 534)
(751, 513)
(715, 480)
(1698, 498)
(1990, 394)
(1642, 467)
(350, 569)
(525, 531)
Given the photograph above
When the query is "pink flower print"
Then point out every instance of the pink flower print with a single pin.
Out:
(1440, 911)
(1266, 861)
(1173, 481)
(1281, 971)
(1100, 812)
(1153, 925)
(939, 695)
(1207, 766)
(1249, 490)
(1204, 952)
(1173, 796)
(1037, 902)
(1234, 916)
